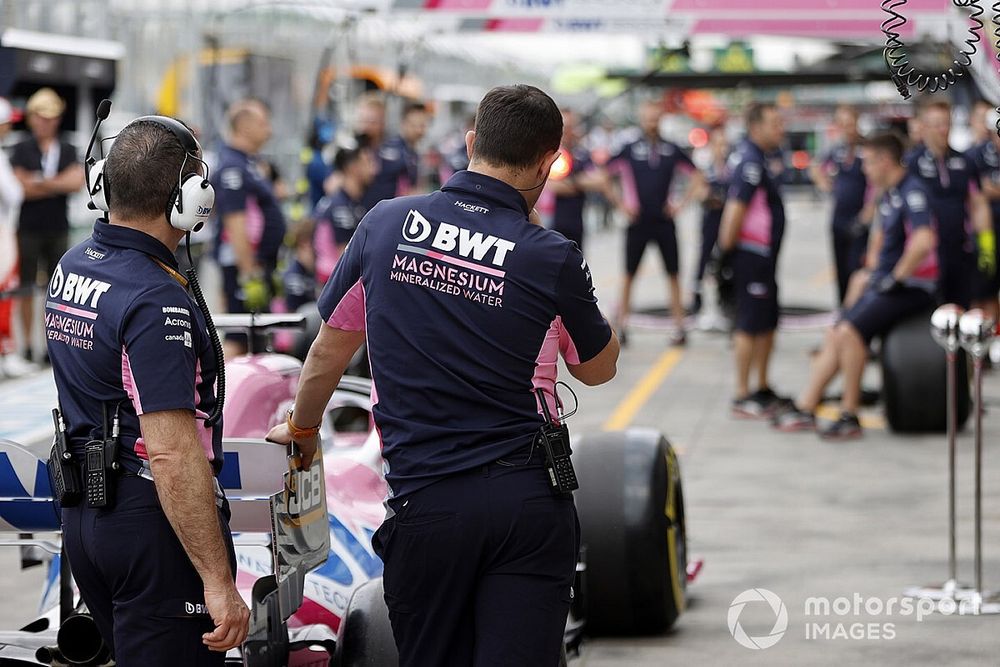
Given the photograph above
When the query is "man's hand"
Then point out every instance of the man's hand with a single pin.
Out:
(987, 260)
(306, 446)
(253, 293)
(631, 213)
(230, 615)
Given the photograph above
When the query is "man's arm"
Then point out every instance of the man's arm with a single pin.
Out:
(186, 492)
(819, 176)
(979, 211)
(69, 180)
(326, 362)
(32, 183)
(732, 223)
(921, 243)
(874, 247)
(601, 368)
(696, 183)
(235, 225)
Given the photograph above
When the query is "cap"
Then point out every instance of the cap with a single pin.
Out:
(6, 112)
(46, 103)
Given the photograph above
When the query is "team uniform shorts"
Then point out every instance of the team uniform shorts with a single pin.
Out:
(756, 293)
(875, 314)
(640, 234)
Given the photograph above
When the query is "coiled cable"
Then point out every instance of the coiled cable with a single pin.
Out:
(904, 75)
(213, 336)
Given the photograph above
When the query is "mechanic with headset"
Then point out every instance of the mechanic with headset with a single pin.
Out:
(466, 306)
(145, 524)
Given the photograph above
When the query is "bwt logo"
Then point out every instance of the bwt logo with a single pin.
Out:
(191, 608)
(204, 210)
(452, 238)
(75, 288)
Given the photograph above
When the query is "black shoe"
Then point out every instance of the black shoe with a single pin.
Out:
(793, 420)
(846, 428)
(772, 401)
(751, 406)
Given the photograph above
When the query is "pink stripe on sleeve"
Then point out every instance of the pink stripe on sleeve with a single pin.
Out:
(327, 252)
(630, 191)
(349, 314)
(128, 383)
(545, 366)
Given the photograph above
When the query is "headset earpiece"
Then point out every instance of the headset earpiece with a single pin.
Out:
(191, 204)
(98, 188)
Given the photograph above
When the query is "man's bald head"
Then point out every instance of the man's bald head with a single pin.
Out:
(249, 124)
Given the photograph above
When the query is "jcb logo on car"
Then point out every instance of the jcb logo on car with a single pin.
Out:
(305, 492)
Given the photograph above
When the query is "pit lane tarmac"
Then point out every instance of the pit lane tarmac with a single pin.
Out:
(851, 524)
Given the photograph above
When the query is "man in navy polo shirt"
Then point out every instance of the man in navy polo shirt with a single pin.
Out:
(902, 283)
(646, 168)
(753, 223)
(466, 306)
(952, 184)
(839, 173)
(398, 160)
(986, 159)
(156, 567)
(574, 177)
(251, 226)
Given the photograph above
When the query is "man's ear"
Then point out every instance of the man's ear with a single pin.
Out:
(470, 140)
(548, 160)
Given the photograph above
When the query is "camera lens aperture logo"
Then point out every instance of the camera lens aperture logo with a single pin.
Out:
(780, 618)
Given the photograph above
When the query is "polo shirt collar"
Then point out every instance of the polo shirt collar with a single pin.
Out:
(132, 239)
(486, 187)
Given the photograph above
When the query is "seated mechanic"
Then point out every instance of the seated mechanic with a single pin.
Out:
(903, 282)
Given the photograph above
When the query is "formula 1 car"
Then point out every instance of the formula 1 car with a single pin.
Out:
(631, 575)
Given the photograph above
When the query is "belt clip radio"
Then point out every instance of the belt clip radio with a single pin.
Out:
(64, 472)
(554, 439)
(100, 457)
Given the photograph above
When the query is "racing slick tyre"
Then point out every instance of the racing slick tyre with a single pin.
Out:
(365, 637)
(914, 379)
(631, 510)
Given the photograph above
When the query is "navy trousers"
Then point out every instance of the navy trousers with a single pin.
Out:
(137, 580)
(479, 568)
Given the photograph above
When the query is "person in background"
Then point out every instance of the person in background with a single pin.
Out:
(251, 225)
(839, 173)
(646, 168)
(986, 159)
(338, 215)
(454, 155)
(318, 169)
(902, 283)
(573, 177)
(11, 194)
(398, 160)
(49, 171)
(753, 224)
(299, 278)
(713, 200)
(952, 184)
(978, 127)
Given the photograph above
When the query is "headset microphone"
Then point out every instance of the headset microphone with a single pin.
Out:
(95, 168)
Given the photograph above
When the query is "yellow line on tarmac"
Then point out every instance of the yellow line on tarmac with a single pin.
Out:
(626, 410)
(831, 411)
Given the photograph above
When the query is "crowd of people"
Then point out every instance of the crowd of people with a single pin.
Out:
(912, 221)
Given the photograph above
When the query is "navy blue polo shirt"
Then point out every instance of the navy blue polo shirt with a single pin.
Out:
(123, 331)
(947, 182)
(466, 307)
(843, 164)
(398, 170)
(568, 214)
(902, 210)
(647, 169)
(241, 187)
(986, 159)
(753, 184)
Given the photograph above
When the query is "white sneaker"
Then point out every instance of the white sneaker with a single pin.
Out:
(14, 366)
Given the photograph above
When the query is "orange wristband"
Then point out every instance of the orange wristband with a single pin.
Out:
(298, 433)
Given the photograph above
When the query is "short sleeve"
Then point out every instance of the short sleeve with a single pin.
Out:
(159, 359)
(917, 208)
(342, 303)
(231, 195)
(745, 181)
(22, 157)
(587, 331)
(67, 155)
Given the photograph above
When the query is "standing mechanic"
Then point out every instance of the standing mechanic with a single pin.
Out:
(156, 564)
(986, 159)
(466, 306)
(574, 176)
(753, 223)
(398, 160)
(251, 225)
(839, 173)
(647, 167)
(952, 184)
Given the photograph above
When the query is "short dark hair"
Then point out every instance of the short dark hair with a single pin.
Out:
(886, 142)
(933, 102)
(143, 169)
(413, 107)
(755, 112)
(515, 126)
(348, 155)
